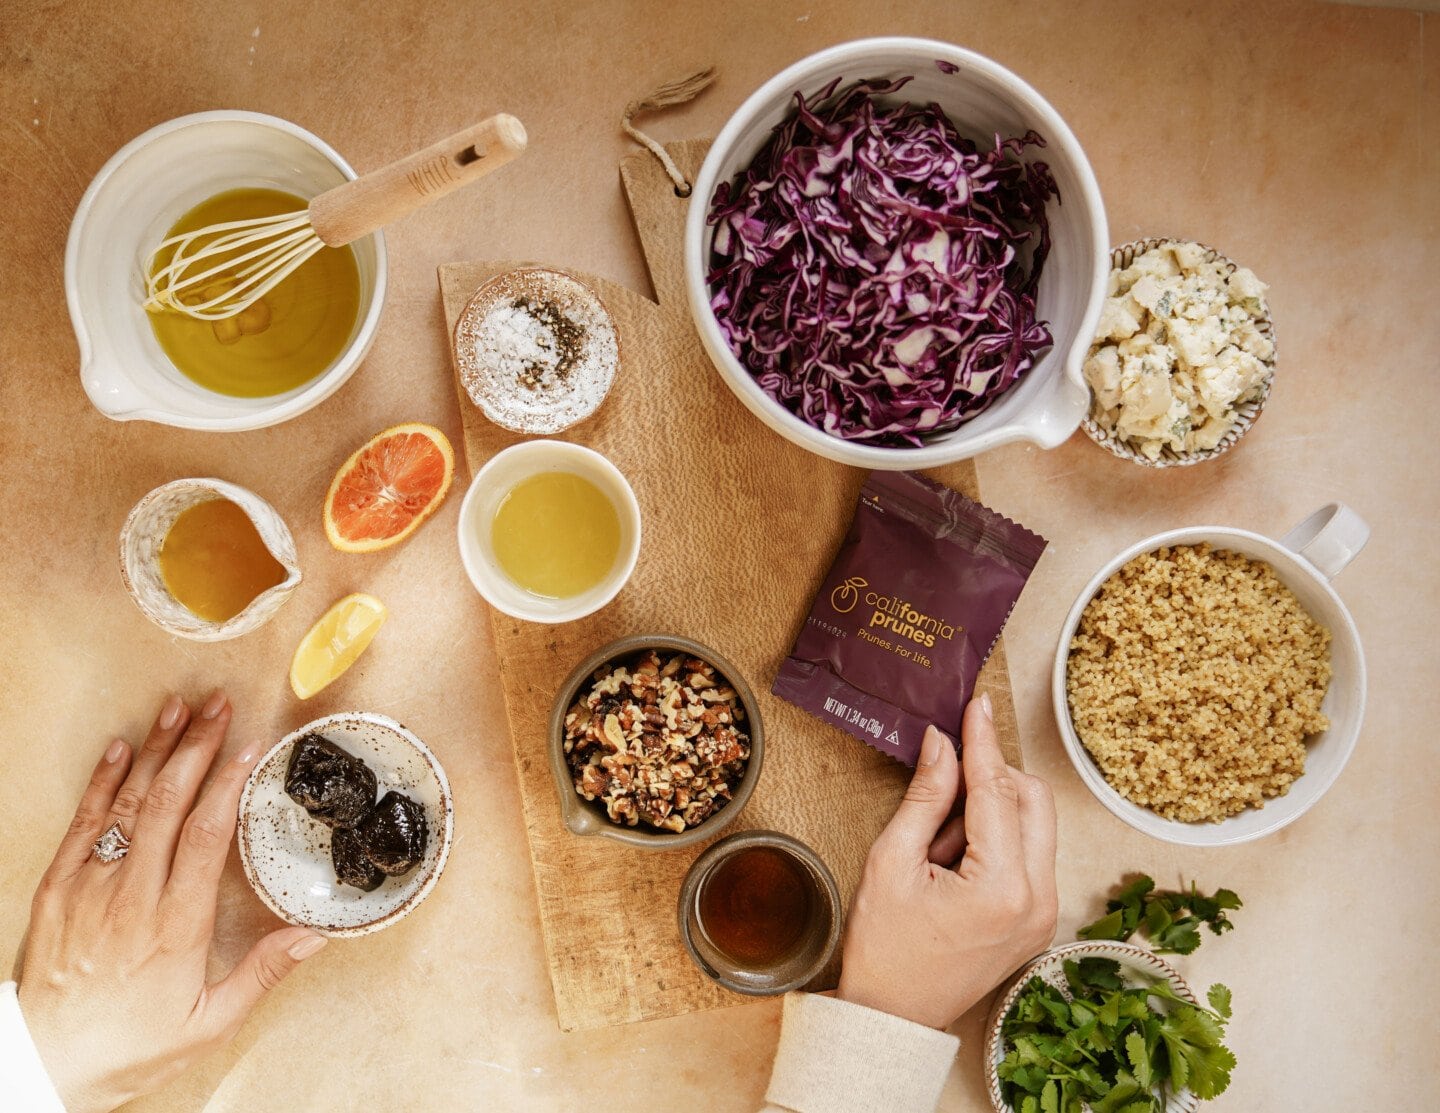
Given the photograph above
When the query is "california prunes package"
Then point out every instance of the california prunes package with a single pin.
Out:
(912, 606)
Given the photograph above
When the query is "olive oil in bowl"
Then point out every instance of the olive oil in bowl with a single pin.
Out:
(287, 338)
(556, 534)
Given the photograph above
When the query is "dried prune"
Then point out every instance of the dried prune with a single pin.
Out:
(330, 784)
(394, 835)
(351, 865)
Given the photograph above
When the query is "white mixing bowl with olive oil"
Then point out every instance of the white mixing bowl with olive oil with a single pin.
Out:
(146, 187)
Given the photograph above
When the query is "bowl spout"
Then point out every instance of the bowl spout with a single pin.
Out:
(112, 391)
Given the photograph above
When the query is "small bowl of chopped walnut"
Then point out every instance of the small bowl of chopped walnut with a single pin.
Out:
(655, 741)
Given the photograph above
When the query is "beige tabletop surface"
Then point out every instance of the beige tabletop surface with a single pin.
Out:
(1301, 138)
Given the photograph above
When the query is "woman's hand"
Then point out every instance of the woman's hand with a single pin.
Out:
(113, 984)
(947, 907)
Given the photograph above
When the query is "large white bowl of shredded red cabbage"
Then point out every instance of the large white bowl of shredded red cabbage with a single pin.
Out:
(896, 256)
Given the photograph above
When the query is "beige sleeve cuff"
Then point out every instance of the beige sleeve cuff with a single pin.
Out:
(835, 1057)
(24, 1084)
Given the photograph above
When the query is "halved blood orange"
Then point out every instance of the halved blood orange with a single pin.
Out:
(389, 486)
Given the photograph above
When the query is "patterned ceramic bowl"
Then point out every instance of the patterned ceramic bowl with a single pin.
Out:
(1137, 962)
(286, 854)
(1245, 415)
(143, 535)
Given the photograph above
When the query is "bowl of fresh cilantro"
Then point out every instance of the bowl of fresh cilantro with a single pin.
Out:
(1106, 1027)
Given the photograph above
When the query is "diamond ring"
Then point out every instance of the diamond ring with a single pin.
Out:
(112, 845)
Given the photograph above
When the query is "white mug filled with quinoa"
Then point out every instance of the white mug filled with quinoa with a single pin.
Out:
(1209, 683)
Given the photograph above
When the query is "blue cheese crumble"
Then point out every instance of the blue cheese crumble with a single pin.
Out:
(1178, 350)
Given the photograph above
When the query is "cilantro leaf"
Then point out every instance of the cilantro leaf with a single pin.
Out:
(1124, 1092)
(1057, 1007)
(1179, 1066)
(1158, 919)
(1135, 892)
(1027, 1052)
(1210, 1071)
(1029, 1078)
(1050, 1098)
(1133, 1004)
(1107, 927)
(1139, 1056)
(1192, 1038)
(1180, 937)
(1171, 918)
(1212, 909)
(1219, 998)
(1159, 987)
(1093, 972)
(1194, 1026)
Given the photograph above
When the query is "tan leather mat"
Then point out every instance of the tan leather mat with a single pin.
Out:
(739, 528)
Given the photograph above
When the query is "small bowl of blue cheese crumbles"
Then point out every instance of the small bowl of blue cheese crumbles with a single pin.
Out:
(1183, 356)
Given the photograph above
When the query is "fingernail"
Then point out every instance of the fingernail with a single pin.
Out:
(116, 751)
(986, 707)
(930, 747)
(248, 755)
(307, 947)
(170, 713)
(214, 705)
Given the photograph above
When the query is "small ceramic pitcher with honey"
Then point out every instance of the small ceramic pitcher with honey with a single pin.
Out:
(207, 560)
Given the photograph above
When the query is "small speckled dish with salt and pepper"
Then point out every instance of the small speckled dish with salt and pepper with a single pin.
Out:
(537, 350)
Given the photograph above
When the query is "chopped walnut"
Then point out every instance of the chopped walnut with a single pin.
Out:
(655, 740)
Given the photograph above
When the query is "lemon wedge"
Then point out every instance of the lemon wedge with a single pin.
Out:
(334, 643)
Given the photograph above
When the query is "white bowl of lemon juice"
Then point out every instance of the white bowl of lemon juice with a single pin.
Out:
(292, 352)
(549, 531)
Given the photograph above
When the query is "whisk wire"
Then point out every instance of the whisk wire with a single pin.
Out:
(224, 233)
(257, 254)
(177, 274)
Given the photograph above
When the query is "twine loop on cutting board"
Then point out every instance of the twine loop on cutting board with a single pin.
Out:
(677, 91)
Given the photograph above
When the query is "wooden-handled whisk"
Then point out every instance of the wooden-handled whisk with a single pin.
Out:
(222, 269)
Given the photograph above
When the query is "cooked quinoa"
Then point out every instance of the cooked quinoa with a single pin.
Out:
(1195, 676)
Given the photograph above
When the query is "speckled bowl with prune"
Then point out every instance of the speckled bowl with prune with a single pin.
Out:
(319, 848)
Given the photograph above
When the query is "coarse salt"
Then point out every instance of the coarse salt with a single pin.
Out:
(537, 350)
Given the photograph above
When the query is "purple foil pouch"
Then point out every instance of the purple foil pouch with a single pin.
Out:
(912, 606)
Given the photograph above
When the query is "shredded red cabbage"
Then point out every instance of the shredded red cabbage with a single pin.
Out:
(867, 267)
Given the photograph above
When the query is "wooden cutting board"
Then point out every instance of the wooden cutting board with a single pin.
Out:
(739, 528)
